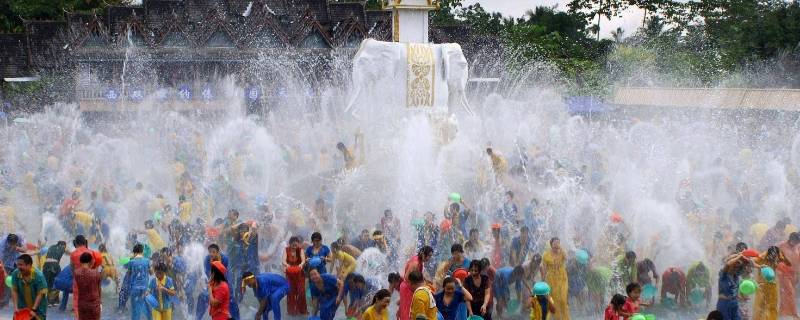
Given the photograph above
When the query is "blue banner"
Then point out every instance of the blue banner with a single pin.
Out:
(136, 95)
(185, 92)
(253, 93)
(111, 94)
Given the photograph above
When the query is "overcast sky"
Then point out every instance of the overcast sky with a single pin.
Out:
(630, 20)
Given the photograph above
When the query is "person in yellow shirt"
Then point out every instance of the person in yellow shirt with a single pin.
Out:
(156, 242)
(345, 262)
(8, 217)
(350, 162)
(422, 303)
(184, 209)
(379, 310)
(499, 163)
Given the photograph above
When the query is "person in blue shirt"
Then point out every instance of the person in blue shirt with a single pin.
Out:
(163, 289)
(269, 289)
(358, 291)
(452, 300)
(139, 270)
(214, 254)
(501, 288)
(728, 298)
(318, 250)
(324, 291)
(520, 246)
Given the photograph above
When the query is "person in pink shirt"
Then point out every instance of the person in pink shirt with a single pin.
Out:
(406, 293)
(787, 276)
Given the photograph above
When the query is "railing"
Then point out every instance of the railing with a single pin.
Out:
(719, 98)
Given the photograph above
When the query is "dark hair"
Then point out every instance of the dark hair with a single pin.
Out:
(631, 287)
(618, 301)
(630, 255)
(246, 274)
(484, 262)
(456, 248)
(473, 230)
(377, 233)
(26, 258)
(447, 281)
(101, 247)
(476, 264)
(380, 295)
(316, 236)
(86, 257)
(358, 279)
(336, 246)
(426, 250)
(138, 248)
(554, 239)
(64, 243)
(741, 246)
(794, 237)
(524, 229)
(773, 251)
(715, 315)
(217, 275)
(213, 246)
(12, 238)
(415, 277)
(161, 267)
(294, 239)
(510, 193)
(234, 212)
(518, 271)
(394, 277)
(80, 241)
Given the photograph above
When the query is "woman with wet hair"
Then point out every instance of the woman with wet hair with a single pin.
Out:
(765, 306)
(554, 272)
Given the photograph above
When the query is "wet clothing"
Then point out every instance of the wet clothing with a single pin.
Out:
(556, 277)
(326, 296)
(27, 288)
(88, 294)
(423, 304)
(403, 312)
(296, 299)
(540, 308)
(449, 311)
(727, 302)
(52, 267)
(165, 301)
(372, 314)
(478, 293)
(221, 293)
(610, 314)
(501, 286)
(272, 288)
(139, 270)
(322, 253)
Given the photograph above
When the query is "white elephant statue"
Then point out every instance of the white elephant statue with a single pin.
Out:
(411, 75)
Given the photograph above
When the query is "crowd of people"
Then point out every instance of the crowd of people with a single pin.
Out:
(461, 263)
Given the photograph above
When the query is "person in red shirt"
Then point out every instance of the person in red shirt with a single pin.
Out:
(614, 309)
(633, 302)
(219, 301)
(88, 281)
(81, 247)
(674, 282)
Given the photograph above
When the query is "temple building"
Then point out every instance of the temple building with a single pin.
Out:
(179, 50)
